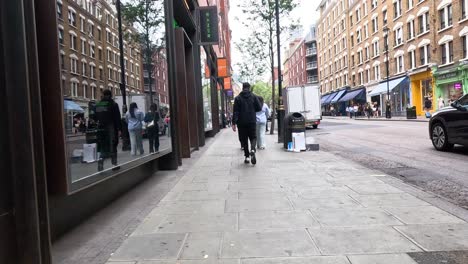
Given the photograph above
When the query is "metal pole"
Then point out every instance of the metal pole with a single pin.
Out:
(388, 113)
(123, 85)
(149, 66)
(280, 81)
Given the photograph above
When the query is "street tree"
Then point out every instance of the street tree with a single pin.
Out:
(260, 23)
(147, 18)
(252, 64)
(263, 89)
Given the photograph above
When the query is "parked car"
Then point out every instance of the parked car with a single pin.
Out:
(449, 125)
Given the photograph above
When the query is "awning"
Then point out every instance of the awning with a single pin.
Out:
(351, 95)
(328, 101)
(338, 96)
(324, 98)
(72, 106)
(382, 88)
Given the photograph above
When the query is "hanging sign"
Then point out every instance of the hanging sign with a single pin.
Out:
(222, 68)
(209, 31)
(227, 83)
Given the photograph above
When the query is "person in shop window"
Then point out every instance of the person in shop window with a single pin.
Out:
(109, 128)
(152, 128)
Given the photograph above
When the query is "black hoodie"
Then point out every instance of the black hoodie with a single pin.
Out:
(246, 105)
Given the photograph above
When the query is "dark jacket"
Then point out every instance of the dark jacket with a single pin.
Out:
(108, 114)
(428, 104)
(150, 116)
(246, 105)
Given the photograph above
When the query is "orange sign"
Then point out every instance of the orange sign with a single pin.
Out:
(227, 83)
(222, 68)
(207, 71)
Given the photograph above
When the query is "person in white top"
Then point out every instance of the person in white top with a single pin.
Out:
(441, 102)
(262, 117)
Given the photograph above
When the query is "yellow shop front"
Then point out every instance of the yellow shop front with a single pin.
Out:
(422, 85)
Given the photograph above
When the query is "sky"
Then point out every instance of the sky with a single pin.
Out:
(306, 12)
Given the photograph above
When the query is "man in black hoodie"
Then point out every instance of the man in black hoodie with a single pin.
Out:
(246, 105)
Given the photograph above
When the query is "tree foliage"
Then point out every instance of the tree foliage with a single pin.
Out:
(263, 89)
(147, 19)
(260, 24)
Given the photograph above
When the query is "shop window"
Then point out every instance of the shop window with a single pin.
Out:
(93, 148)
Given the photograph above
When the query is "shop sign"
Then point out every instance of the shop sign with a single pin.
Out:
(229, 93)
(227, 83)
(457, 86)
(209, 32)
(447, 75)
(222, 68)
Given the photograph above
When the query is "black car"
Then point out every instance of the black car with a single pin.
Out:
(449, 125)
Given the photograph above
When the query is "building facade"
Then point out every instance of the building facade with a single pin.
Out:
(300, 64)
(422, 42)
(89, 51)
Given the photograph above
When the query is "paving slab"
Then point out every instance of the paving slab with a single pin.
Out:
(445, 237)
(197, 261)
(382, 259)
(366, 188)
(198, 223)
(321, 192)
(205, 246)
(261, 204)
(329, 202)
(153, 246)
(309, 260)
(190, 207)
(423, 215)
(375, 240)
(354, 217)
(250, 244)
(276, 220)
(200, 195)
(394, 200)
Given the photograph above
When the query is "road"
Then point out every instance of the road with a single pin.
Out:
(401, 149)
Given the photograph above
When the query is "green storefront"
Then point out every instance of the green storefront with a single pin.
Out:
(450, 83)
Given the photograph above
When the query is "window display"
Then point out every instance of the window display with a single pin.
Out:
(206, 86)
(107, 129)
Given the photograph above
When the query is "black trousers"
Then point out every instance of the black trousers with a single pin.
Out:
(248, 132)
(153, 138)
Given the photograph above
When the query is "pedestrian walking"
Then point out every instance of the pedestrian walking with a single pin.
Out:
(134, 119)
(109, 128)
(262, 116)
(152, 128)
(369, 110)
(441, 102)
(246, 105)
(427, 106)
(356, 110)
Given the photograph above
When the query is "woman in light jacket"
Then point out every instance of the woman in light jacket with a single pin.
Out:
(134, 119)
(261, 124)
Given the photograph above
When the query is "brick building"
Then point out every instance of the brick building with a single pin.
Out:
(300, 65)
(426, 40)
(159, 80)
(89, 51)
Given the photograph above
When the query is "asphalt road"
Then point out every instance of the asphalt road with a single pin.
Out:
(401, 149)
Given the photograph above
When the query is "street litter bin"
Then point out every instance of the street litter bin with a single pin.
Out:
(293, 123)
(411, 113)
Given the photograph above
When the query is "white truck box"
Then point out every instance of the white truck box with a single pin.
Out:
(305, 100)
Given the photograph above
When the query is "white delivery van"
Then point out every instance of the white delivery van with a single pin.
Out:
(305, 100)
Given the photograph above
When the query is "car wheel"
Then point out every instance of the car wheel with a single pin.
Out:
(440, 138)
(315, 126)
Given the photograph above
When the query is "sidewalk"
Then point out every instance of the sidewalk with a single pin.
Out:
(310, 207)
(382, 118)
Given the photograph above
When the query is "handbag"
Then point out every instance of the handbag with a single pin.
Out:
(151, 124)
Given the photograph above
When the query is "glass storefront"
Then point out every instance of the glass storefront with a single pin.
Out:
(452, 91)
(101, 136)
(206, 87)
(427, 91)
